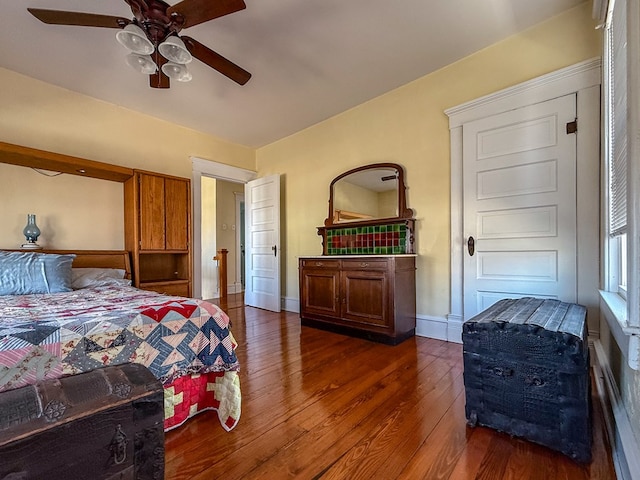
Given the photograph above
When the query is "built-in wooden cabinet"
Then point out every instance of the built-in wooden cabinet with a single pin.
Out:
(158, 232)
(367, 296)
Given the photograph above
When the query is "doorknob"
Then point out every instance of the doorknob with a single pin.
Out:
(275, 250)
(471, 246)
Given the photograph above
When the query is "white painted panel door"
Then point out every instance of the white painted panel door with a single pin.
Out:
(519, 174)
(262, 240)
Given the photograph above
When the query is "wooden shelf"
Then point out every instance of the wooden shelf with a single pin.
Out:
(171, 281)
(180, 288)
(56, 162)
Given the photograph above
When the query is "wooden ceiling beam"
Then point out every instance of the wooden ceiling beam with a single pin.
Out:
(57, 162)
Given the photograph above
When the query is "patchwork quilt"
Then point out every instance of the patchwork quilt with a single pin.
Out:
(186, 343)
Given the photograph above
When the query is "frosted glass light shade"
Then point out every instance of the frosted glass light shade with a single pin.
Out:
(176, 71)
(133, 38)
(142, 63)
(173, 49)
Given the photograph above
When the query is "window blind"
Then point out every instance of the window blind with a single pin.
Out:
(616, 32)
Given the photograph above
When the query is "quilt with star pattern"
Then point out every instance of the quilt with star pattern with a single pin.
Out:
(186, 343)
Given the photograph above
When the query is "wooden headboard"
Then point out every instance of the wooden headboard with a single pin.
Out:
(96, 258)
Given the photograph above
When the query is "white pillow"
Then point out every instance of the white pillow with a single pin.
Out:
(97, 277)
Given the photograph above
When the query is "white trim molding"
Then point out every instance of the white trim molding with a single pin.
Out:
(290, 304)
(448, 329)
(583, 79)
(614, 310)
(599, 12)
(624, 446)
(565, 81)
(222, 171)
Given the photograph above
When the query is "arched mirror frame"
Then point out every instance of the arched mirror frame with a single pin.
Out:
(403, 211)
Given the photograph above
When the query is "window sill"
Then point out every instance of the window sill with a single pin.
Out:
(614, 309)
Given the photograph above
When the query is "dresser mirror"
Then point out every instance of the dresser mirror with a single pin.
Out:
(368, 193)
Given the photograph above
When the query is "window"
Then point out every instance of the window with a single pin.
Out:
(615, 109)
(621, 146)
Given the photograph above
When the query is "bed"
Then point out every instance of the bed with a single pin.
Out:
(186, 343)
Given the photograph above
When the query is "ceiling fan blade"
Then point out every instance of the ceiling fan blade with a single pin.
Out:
(216, 61)
(59, 17)
(159, 79)
(199, 11)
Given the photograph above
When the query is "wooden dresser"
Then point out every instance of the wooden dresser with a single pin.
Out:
(373, 297)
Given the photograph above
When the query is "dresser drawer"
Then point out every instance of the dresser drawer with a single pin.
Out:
(319, 263)
(365, 264)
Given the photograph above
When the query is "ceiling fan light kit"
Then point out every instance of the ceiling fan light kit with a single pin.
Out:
(133, 38)
(174, 50)
(154, 31)
(177, 71)
(142, 63)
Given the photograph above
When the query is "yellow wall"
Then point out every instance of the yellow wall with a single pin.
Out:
(71, 211)
(40, 115)
(408, 126)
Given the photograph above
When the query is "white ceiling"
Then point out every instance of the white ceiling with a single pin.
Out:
(310, 59)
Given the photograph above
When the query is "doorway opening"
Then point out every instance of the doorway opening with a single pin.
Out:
(205, 169)
(222, 237)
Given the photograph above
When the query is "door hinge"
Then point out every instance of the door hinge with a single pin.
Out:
(572, 127)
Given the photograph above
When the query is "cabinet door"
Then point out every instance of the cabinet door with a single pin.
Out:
(365, 297)
(177, 214)
(319, 292)
(152, 213)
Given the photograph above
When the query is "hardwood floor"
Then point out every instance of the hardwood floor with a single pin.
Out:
(318, 405)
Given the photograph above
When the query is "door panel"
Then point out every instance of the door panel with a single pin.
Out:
(518, 222)
(262, 216)
(320, 292)
(519, 179)
(152, 213)
(177, 221)
(365, 297)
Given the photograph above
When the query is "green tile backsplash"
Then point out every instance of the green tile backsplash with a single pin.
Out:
(369, 240)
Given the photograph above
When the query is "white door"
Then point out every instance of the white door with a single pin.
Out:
(519, 179)
(262, 238)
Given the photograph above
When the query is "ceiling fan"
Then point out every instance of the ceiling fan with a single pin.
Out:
(152, 36)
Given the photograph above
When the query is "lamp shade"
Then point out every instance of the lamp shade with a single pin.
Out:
(142, 63)
(176, 71)
(133, 38)
(173, 49)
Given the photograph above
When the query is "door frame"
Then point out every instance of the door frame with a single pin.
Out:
(584, 80)
(239, 284)
(220, 171)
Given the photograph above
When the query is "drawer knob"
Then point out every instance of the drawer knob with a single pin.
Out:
(364, 264)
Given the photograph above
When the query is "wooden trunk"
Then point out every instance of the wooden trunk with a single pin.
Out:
(526, 373)
(103, 424)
